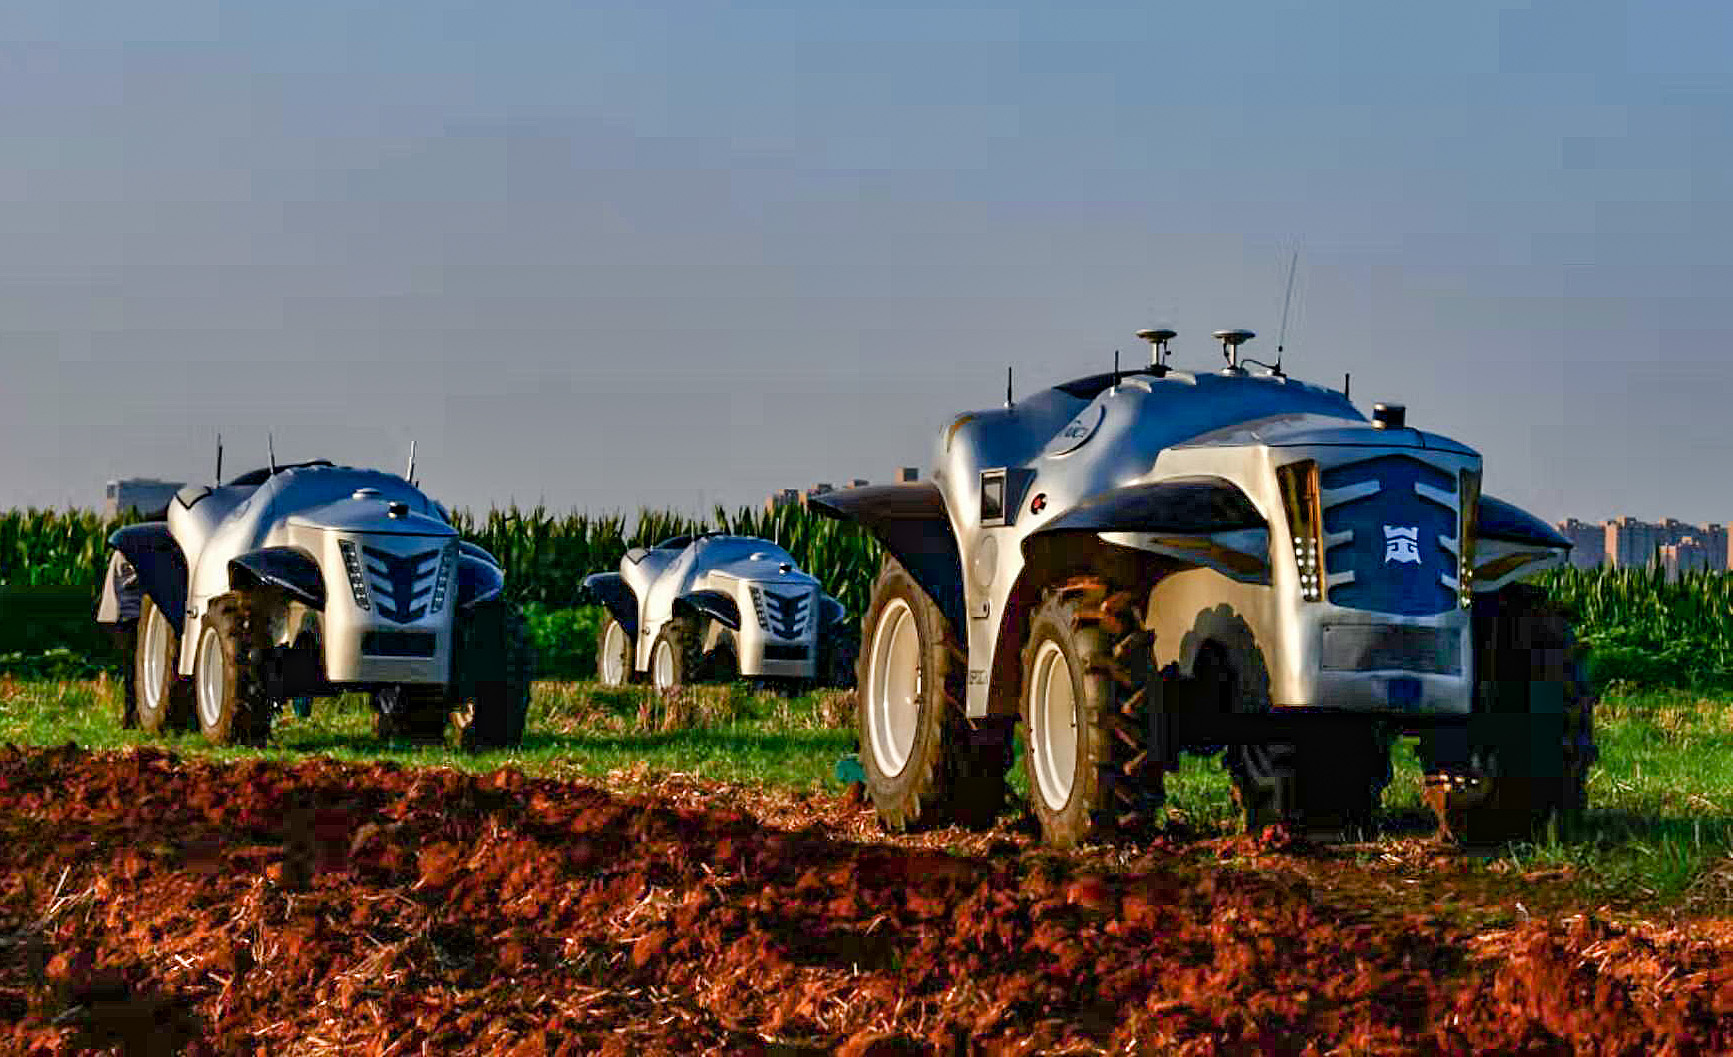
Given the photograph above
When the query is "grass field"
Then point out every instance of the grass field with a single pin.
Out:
(1659, 831)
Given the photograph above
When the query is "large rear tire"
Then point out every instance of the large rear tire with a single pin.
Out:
(677, 655)
(493, 638)
(926, 764)
(1517, 777)
(614, 653)
(157, 697)
(1086, 669)
(227, 689)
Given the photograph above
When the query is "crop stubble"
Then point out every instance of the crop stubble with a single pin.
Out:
(154, 902)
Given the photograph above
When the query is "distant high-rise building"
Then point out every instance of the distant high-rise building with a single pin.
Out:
(1632, 543)
(144, 495)
(780, 498)
(1687, 555)
(1588, 542)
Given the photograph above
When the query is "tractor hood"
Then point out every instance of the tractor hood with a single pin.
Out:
(768, 569)
(1303, 430)
(371, 515)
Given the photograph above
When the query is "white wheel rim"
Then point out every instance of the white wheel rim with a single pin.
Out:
(893, 689)
(210, 678)
(614, 654)
(156, 661)
(1053, 725)
(662, 665)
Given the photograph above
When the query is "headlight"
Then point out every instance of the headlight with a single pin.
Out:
(1299, 487)
(439, 582)
(352, 565)
(1468, 519)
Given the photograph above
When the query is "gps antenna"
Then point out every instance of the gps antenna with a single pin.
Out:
(1158, 352)
(271, 450)
(219, 459)
(1287, 299)
(409, 474)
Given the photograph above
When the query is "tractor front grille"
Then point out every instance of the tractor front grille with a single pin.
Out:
(401, 583)
(1390, 526)
(783, 615)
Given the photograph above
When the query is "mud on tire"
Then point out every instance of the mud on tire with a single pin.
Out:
(228, 690)
(926, 764)
(1088, 653)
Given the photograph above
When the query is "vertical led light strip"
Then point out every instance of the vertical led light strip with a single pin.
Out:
(1298, 482)
(1468, 523)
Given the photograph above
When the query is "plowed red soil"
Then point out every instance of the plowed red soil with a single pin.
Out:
(166, 905)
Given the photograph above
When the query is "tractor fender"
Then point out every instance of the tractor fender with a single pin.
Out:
(159, 571)
(1191, 506)
(830, 611)
(713, 604)
(910, 521)
(613, 592)
(289, 569)
(1206, 522)
(479, 577)
(1499, 520)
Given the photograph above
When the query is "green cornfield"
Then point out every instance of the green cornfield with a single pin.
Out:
(1640, 627)
(545, 556)
(46, 548)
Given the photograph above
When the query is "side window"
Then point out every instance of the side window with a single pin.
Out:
(992, 497)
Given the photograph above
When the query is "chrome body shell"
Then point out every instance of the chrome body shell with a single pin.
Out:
(1058, 447)
(746, 570)
(316, 510)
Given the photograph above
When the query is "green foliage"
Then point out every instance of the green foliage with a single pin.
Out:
(1643, 629)
(46, 548)
(564, 640)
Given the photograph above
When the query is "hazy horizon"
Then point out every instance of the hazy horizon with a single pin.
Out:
(613, 255)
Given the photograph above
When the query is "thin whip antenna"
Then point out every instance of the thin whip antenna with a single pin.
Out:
(1287, 299)
(219, 460)
(271, 450)
(409, 475)
(1008, 401)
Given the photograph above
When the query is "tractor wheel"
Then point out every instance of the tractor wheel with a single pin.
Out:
(614, 653)
(677, 655)
(232, 707)
(156, 695)
(1319, 787)
(722, 663)
(926, 764)
(1324, 785)
(1085, 674)
(494, 639)
(1518, 775)
(411, 712)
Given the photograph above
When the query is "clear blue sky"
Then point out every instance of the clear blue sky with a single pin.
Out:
(656, 253)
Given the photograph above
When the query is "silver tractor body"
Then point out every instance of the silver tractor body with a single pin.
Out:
(1268, 567)
(309, 580)
(740, 595)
